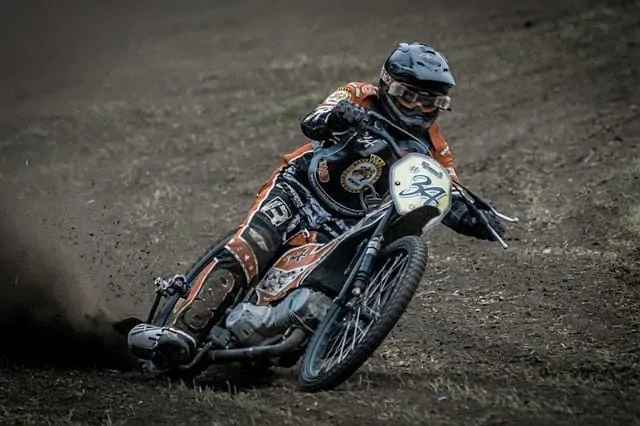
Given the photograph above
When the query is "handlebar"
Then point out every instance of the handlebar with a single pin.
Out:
(373, 116)
(473, 201)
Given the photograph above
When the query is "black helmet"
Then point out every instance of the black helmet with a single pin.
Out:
(414, 84)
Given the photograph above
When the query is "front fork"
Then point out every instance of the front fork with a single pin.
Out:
(366, 255)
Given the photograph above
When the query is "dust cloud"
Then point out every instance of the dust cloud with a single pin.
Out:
(47, 315)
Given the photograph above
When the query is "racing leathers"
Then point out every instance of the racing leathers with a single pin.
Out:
(342, 174)
(318, 191)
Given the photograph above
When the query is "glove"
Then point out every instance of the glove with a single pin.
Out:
(495, 223)
(345, 115)
(463, 221)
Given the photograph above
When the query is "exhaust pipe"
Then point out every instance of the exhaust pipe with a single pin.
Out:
(296, 337)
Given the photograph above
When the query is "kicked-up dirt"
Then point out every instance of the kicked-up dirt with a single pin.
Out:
(133, 134)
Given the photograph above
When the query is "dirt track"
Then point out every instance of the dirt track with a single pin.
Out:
(133, 148)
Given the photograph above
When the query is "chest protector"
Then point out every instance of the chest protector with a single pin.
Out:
(350, 177)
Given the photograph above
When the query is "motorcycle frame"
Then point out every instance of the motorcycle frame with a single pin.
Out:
(358, 272)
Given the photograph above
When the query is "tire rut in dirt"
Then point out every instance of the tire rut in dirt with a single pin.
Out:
(406, 285)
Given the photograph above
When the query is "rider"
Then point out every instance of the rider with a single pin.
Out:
(323, 187)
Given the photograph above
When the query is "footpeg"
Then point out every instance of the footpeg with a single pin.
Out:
(177, 284)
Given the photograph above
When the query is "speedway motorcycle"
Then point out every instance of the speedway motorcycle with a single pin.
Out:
(374, 270)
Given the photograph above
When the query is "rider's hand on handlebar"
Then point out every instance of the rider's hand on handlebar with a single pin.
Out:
(464, 221)
(495, 224)
(346, 114)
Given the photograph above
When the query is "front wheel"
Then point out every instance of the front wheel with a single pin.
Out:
(348, 336)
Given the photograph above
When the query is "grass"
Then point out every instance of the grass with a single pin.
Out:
(24, 417)
(241, 407)
(288, 110)
(632, 219)
(632, 179)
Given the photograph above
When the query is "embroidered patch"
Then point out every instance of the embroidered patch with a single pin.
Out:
(277, 211)
(363, 172)
(368, 89)
(337, 96)
(323, 172)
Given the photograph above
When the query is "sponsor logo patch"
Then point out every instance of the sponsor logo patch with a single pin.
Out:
(362, 173)
(277, 211)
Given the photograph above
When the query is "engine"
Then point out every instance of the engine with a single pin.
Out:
(252, 325)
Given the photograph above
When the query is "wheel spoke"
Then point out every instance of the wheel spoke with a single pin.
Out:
(343, 340)
(380, 284)
(329, 361)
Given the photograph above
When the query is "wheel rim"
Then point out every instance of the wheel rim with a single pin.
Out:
(353, 324)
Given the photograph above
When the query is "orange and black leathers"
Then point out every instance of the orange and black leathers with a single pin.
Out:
(338, 171)
(315, 194)
(331, 163)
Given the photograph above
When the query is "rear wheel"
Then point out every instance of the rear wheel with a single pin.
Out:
(349, 336)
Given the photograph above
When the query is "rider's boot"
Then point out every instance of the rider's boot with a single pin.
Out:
(165, 346)
(176, 343)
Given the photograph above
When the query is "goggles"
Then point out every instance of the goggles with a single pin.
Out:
(412, 98)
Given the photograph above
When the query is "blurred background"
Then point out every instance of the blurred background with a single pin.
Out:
(132, 134)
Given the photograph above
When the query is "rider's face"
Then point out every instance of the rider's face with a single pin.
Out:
(416, 105)
(423, 102)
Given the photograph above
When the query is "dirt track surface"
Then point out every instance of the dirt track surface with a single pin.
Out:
(131, 138)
